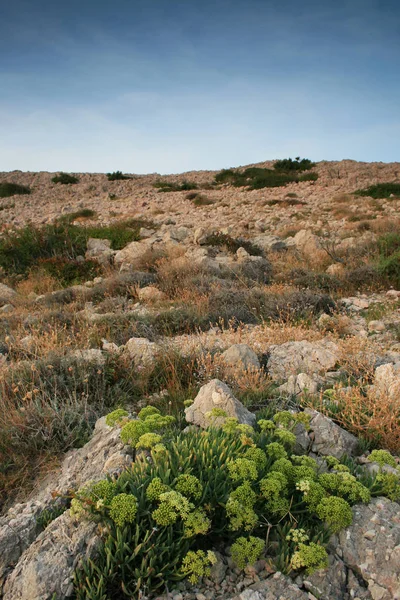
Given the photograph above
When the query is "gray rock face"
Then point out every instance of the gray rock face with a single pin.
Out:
(270, 243)
(371, 547)
(302, 357)
(276, 587)
(7, 294)
(329, 438)
(217, 394)
(99, 250)
(130, 257)
(104, 454)
(296, 384)
(47, 566)
(142, 351)
(242, 356)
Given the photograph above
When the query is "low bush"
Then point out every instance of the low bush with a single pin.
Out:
(234, 485)
(84, 213)
(199, 199)
(21, 249)
(69, 272)
(65, 179)
(288, 164)
(12, 189)
(167, 186)
(117, 176)
(380, 190)
(257, 178)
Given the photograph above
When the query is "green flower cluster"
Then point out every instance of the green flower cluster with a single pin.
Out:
(155, 489)
(274, 488)
(240, 508)
(266, 425)
(116, 416)
(382, 457)
(197, 564)
(389, 485)
(196, 523)
(345, 485)
(242, 469)
(123, 509)
(336, 512)
(311, 557)
(172, 505)
(189, 486)
(148, 440)
(246, 551)
(150, 420)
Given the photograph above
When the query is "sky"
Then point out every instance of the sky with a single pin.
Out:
(168, 86)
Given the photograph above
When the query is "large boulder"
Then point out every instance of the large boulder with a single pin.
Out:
(387, 382)
(371, 547)
(103, 455)
(241, 356)
(270, 243)
(307, 242)
(328, 438)
(46, 568)
(293, 358)
(217, 394)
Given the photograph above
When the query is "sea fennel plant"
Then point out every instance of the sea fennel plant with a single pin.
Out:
(233, 485)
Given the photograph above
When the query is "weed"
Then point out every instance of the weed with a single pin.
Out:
(117, 176)
(380, 190)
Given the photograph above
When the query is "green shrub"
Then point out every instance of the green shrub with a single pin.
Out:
(388, 244)
(232, 244)
(390, 267)
(21, 249)
(65, 179)
(208, 487)
(117, 176)
(287, 164)
(380, 190)
(257, 178)
(12, 189)
(166, 186)
(69, 272)
(85, 213)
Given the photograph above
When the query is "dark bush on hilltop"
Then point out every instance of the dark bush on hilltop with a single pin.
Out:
(117, 176)
(166, 186)
(65, 179)
(12, 189)
(381, 190)
(287, 164)
(256, 178)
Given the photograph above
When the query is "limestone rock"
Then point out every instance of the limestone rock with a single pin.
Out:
(131, 256)
(242, 356)
(7, 294)
(217, 394)
(150, 293)
(100, 250)
(371, 547)
(306, 242)
(387, 381)
(270, 243)
(297, 384)
(329, 438)
(277, 587)
(142, 351)
(301, 357)
(46, 568)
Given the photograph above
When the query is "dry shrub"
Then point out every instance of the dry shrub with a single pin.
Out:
(342, 198)
(176, 274)
(38, 282)
(358, 356)
(367, 415)
(241, 379)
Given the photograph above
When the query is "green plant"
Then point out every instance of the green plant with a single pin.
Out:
(380, 190)
(288, 164)
(8, 189)
(167, 186)
(212, 486)
(117, 176)
(257, 178)
(69, 272)
(65, 179)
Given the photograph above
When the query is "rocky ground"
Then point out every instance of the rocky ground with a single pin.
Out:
(293, 305)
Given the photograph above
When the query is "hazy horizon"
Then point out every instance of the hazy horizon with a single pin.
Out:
(146, 87)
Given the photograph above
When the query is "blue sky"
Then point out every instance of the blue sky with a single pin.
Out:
(173, 85)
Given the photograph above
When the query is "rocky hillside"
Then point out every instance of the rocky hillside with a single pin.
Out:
(200, 385)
